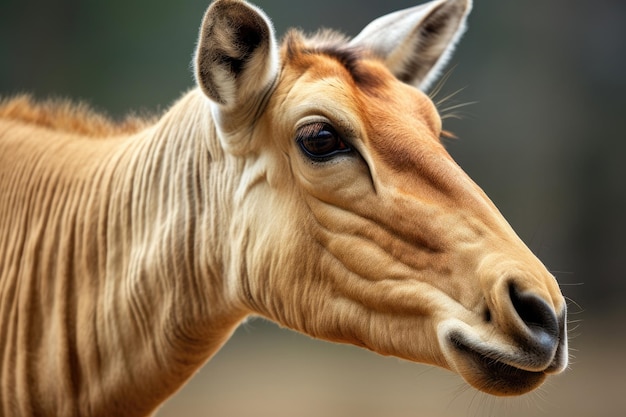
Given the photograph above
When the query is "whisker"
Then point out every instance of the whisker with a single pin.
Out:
(457, 393)
(457, 106)
(442, 81)
(571, 301)
(449, 96)
(452, 116)
(574, 333)
(565, 273)
(574, 329)
(434, 93)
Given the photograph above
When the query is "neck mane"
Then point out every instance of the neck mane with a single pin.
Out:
(69, 117)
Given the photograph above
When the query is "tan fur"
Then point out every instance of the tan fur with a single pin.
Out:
(68, 117)
(126, 263)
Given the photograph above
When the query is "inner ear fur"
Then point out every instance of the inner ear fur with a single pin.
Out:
(236, 58)
(416, 43)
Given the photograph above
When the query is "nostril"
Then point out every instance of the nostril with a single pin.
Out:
(536, 314)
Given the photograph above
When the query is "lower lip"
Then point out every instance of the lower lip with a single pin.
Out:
(495, 377)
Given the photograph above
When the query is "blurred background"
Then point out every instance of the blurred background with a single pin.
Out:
(545, 139)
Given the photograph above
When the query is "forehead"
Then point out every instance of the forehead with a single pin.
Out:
(331, 73)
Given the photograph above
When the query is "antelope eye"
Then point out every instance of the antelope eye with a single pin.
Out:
(320, 141)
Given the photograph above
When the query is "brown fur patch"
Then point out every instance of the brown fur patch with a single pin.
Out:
(334, 45)
(65, 116)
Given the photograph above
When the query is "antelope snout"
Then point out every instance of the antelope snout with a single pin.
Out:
(519, 343)
(536, 328)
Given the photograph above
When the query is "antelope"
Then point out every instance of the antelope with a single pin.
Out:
(304, 182)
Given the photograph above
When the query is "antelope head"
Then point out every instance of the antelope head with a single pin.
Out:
(350, 222)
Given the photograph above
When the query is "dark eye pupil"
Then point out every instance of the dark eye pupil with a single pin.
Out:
(319, 140)
(321, 144)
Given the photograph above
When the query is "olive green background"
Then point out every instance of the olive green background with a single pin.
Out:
(546, 140)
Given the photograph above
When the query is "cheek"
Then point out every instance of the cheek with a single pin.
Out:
(278, 172)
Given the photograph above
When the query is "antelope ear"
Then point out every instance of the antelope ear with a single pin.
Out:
(236, 59)
(416, 43)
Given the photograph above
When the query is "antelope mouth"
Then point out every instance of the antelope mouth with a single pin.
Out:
(485, 370)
